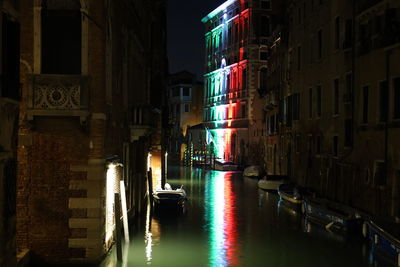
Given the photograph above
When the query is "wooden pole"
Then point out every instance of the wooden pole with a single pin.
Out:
(118, 226)
(150, 183)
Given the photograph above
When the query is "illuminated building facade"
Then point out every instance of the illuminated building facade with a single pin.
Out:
(236, 37)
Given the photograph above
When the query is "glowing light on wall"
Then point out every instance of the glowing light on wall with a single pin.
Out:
(221, 220)
(111, 178)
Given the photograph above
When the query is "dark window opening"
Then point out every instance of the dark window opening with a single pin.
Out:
(10, 59)
(318, 145)
(335, 146)
(263, 79)
(186, 91)
(265, 4)
(348, 36)
(336, 97)
(379, 174)
(310, 103)
(61, 41)
(319, 36)
(244, 79)
(383, 101)
(337, 33)
(263, 55)
(319, 101)
(348, 134)
(265, 27)
(298, 57)
(365, 104)
(396, 87)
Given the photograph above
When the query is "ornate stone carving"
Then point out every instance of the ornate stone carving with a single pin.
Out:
(57, 92)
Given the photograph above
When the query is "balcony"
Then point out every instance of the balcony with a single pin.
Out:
(144, 119)
(58, 95)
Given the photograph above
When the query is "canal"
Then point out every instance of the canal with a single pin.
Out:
(230, 222)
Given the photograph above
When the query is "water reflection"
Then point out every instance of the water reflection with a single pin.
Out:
(220, 219)
(230, 222)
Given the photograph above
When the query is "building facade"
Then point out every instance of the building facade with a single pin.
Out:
(337, 101)
(185, 100)
(236, 56)
(90, 116)
(9, 105)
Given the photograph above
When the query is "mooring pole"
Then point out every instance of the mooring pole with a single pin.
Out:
(118, 226)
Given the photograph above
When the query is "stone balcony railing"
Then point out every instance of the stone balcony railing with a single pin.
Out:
(234, 95)
(58, 95)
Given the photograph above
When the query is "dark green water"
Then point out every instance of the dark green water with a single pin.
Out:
(230, 222)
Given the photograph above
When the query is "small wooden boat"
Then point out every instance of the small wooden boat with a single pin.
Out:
(271, 182)
(290, 194)
(332, 215)
(168, 197)
(225, 166)
(253, 171)
(384, 239)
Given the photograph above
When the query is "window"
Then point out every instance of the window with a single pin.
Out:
(9, 85)
(245, 27)
(263, 78)
(298, 57)
(348, 133)
(187, 108)
(265, 4)
(335, 146)
(186, 91)
(319, 101)
(319, 40)
(236, 32)
(296, 107)
(289, 113)
(178, 109)
(396, 95)
(379, 173)
(383, 101)
(61, 37)
(244, 79)
(298, 143)
(265, 27)
(365, 104)
(243, 110)
(348, 96)
(175, 92)
(263, 55)
(318, 145)
(336, 96)
(337, 33)
(310, 103)
(228, 82)
(348, 36)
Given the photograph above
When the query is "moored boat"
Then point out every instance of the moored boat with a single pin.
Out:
(290, 194)
(271, 182)
(221, 165)
(384, 238)
(332, 215)
(169, 197)
(253, 171)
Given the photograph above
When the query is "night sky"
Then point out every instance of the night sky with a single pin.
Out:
(186, 34)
